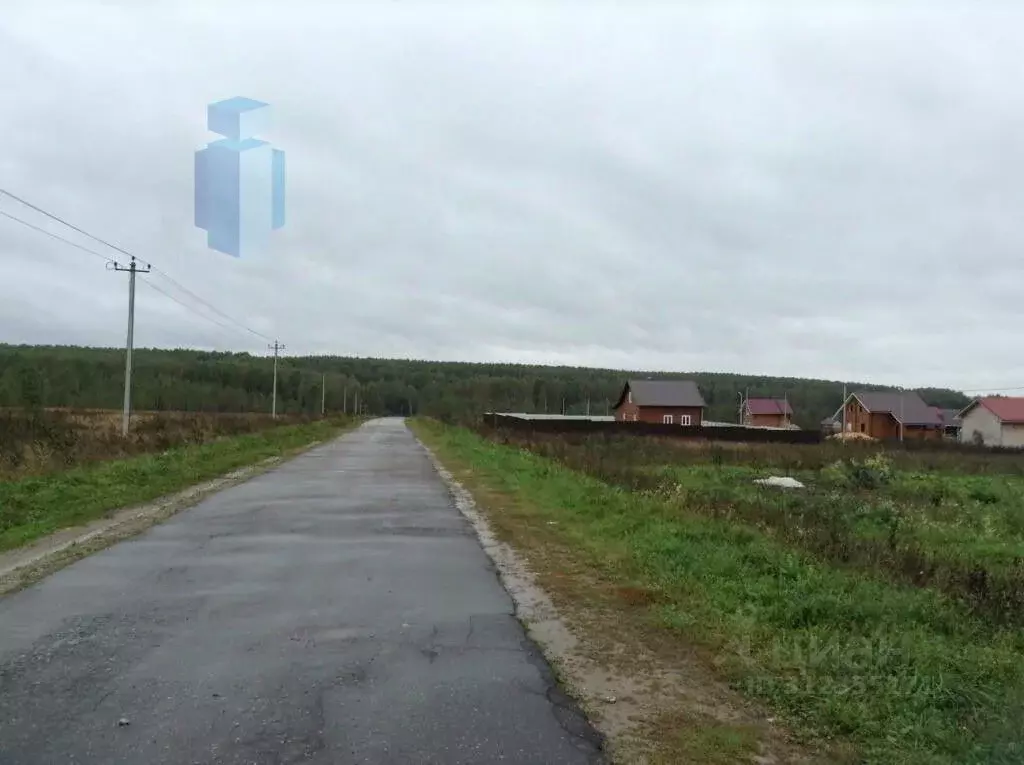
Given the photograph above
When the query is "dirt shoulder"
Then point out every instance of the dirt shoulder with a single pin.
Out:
(656, 699)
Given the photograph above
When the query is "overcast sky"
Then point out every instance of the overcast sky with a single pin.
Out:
(819, 189)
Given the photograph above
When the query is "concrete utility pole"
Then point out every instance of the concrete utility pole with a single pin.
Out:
(323, 395)
(132, 269)
(344, 401)
(901, 414)
(844, 414)
(275, 348)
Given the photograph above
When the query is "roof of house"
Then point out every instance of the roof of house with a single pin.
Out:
(950, 417)
(905, 406)
(768, 406)
(1007, 408)
(662, 393)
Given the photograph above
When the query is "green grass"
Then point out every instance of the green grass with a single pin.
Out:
(34, 507)
(961, 533)
(951, 520)
(905, 674)
(711, 743)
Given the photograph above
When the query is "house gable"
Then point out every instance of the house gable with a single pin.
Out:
(890, 415)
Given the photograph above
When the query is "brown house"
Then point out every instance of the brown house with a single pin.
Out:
(672, 402)
(769, 412)
(891, 415)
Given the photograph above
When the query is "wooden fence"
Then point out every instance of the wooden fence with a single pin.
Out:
(715, 433)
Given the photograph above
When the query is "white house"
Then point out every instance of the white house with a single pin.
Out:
(993, 421)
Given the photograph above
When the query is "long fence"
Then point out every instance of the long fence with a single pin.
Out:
(715, 433)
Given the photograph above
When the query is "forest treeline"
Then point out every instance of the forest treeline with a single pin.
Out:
(191, 380)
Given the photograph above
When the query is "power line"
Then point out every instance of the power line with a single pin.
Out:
(209, 305)
(57, 218)
(54, 236)
(112, 246)
(991, 390)
(185, 305)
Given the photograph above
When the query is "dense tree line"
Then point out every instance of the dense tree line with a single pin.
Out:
(192, 380)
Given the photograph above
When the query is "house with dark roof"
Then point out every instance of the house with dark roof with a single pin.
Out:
(891, 415)
(672, 402)
(766, 412)
(993, 421)
(950, 423)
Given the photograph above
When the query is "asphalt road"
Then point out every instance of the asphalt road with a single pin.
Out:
(336, 610)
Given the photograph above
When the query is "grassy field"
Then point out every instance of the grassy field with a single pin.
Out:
(949, 520)
(875, 610)
(37, 442)
(32, 506)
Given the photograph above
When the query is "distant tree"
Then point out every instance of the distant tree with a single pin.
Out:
(31, 387)
(199, 380)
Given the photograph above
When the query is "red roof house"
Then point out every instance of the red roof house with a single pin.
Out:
(770, 412)
(993, 421)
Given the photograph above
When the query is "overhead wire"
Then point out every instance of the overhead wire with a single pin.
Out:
(123, 251)
(59, 238)
(185, 305)
(209, 305)
(60, 220)
(991, 390)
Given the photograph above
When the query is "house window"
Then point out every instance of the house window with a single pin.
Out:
(863, 427)
(629, 397)
(666, 419)
(684, 419)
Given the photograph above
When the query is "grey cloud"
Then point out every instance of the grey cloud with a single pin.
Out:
(811, 191)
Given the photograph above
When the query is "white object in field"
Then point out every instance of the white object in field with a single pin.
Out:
(780, 481)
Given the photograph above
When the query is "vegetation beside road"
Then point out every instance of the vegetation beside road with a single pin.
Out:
(40, 441)
(884, 669)
(37, 505)
(951, 519)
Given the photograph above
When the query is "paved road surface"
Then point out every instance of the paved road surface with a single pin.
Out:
(336, 610)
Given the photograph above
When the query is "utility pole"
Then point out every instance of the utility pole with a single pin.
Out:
(132, 269)
(273, 406)
(323, 395)
(344, 401)
(843, 440)
(901, 415)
